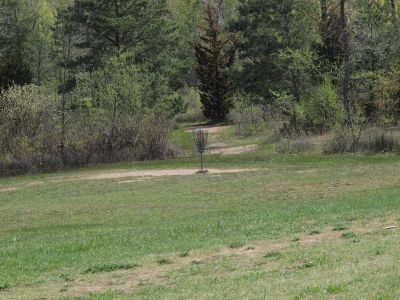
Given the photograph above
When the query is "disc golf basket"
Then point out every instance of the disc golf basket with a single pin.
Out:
(200, 139)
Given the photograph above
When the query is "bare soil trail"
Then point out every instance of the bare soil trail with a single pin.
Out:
(216, 147)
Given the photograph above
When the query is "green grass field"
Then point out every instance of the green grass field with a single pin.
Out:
(304, 226)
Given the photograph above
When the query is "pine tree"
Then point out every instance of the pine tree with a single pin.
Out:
(275, 48)
(13, 67)
(121, 27)
(215, 55)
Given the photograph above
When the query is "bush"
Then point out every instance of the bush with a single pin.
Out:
(193, 112)
(341, 142)
(379, 143)
(154, 137)
(372, 143)
(28, 131)
(248, 123)
(323, 110)
(249, 119)
(191, 116)
(31, 139)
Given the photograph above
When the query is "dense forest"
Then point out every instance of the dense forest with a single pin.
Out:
(87, 81)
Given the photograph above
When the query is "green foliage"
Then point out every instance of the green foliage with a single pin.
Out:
(215, 56)
(13, 71)
(329, 49)
(291, 109)
(102, 131)
(140, 30)
(249, 119)
(28, 132)
(274, 50)
(323, 109)
(385, 108)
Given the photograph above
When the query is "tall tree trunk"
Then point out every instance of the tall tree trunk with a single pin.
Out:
(17, 33)
(393, 6)
(64, 76)
(39, 66)
(346, 59)
(324, 18)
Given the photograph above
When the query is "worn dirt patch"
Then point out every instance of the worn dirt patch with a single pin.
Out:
(8, 189)
(136, 180)
(218, 145)
(210, 129)
(13, 188)
(151, 273)
(235, 150)
(137, 176)
(158, 173)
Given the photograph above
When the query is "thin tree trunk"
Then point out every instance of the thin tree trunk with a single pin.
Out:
(393, 5)
(39, 66)
(324, 18)
(64, 74)
(17, 34)
(346, 59)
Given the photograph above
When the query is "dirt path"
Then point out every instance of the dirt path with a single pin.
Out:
(152, 273)
(222, 148)
(234, 150)
(159, 173)
(138, 175)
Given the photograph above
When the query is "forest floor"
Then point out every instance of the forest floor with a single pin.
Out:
(259, 225)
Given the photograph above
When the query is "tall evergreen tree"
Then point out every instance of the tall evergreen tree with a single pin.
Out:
(119, 27)
(330, 48)
(215, 56)
(275, 50)
(13, 33)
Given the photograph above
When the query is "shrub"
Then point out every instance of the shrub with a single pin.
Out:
(372, 143)
(323, 109)
(191, 116)
(249, 119)
(248, 123)
(192, 104)
(28, 131)
(340, 143)
(31, 139)
(379, 143)
(154, 135)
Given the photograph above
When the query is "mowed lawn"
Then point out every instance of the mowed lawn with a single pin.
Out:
(291, 227)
